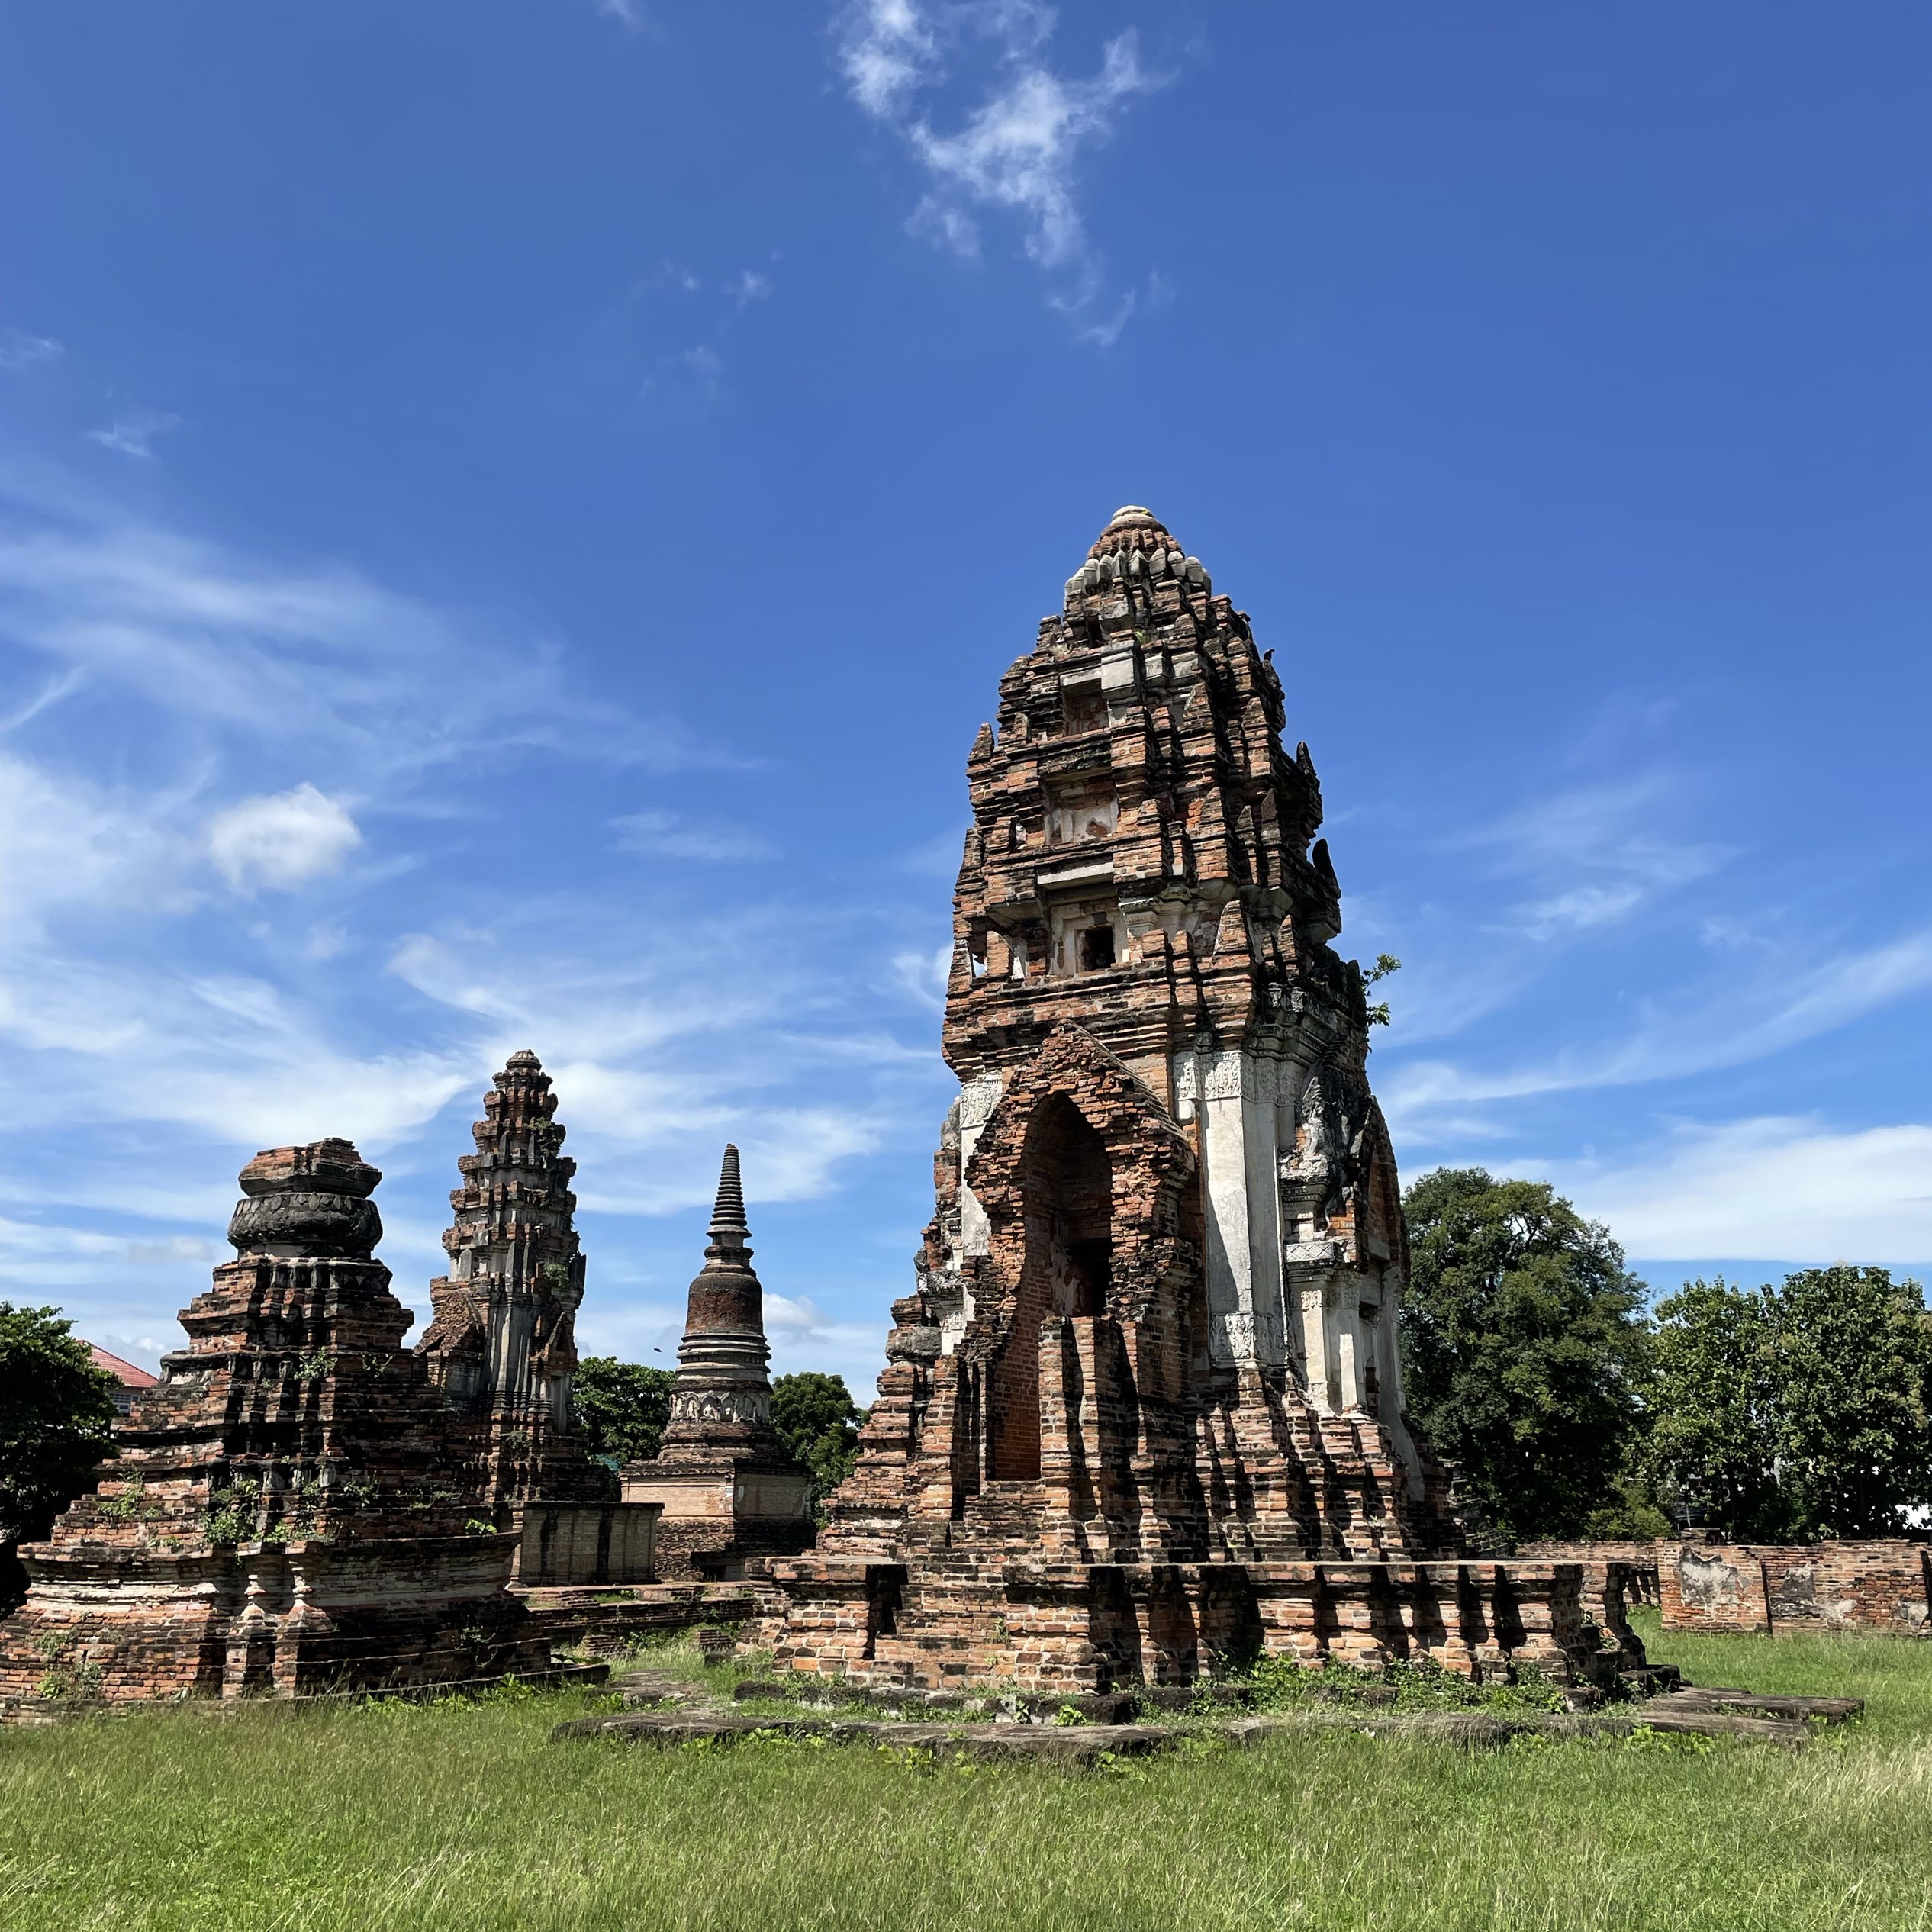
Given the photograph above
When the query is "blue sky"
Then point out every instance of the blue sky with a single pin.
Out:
(512, 511)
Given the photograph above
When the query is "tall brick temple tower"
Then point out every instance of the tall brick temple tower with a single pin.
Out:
(501, 1343)
(1145, 1409)
(730, 1493)
(284, 1516)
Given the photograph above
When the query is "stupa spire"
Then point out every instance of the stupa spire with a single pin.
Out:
(730, 1232)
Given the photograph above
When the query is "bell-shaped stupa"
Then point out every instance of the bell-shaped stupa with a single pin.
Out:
(730, 1493)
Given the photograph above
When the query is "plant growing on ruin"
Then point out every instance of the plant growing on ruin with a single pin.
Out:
(230, 1517)
(356, 1491)
(131, 1505)
(1377, 1012)
(315, 1366)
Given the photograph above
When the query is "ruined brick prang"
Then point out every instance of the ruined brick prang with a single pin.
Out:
(1146, 1402)
(501, 1343)
(730, 1492)
(285, 1515)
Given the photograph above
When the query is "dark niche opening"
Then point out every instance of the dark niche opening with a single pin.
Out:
(1067, 1186)
(1097, 949)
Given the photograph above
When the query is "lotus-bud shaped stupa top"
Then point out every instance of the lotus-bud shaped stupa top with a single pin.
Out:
(307, 1200)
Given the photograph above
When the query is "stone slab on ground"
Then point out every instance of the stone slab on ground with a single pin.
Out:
(1831, 1710)
(1059, 1745)
(1736, 1714)
(1097, 1707)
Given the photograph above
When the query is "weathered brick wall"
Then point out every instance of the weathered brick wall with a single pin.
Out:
(1713, 1586)
(1880, 1584)
(1075, 1626)
(566, 1543)
(606, 1619)
(1779, 1589)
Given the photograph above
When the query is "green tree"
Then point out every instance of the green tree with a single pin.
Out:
(1788, 1413)
(818, 1423)
(1524, 1352)
(622, 1407)
(56, 1424)
(1710, 1441)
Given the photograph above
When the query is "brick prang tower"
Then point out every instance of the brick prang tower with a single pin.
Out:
(501, 1343)
(1145, 1409)
(284, 1515)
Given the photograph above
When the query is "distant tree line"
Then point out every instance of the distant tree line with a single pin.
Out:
(1766, 1415)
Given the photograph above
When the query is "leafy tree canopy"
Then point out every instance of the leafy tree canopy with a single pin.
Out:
(1787, 1413)
(1525, 1350)
(622, 1407)
(818, 1422)
(56, 1424)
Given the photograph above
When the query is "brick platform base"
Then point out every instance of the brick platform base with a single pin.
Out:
(944, 1621)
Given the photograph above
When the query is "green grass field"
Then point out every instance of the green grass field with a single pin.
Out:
(462, 1815)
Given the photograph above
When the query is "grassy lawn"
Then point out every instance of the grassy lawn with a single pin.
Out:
(462, 1815)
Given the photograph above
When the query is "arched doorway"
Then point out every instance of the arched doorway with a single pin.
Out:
(1066, 1205)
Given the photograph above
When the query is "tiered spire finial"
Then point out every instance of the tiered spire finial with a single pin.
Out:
(729, 1230)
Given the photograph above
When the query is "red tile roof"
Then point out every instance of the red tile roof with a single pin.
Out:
(124, 1373)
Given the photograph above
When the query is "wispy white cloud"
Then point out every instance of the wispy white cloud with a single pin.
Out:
(664, 835)
(1729, 1024)
(381, 683)
(280, 839)
(166, 1031)
(65, 843)
(1789, 1189)
(1591, 854)
(1017, 151)
(133, 434)
(20, 351)
(924, 974)
(692, 380)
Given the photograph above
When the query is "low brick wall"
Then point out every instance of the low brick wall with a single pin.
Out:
(1776, 1589)
(1639, 1559)
(566, 1543)
(605, 1620)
